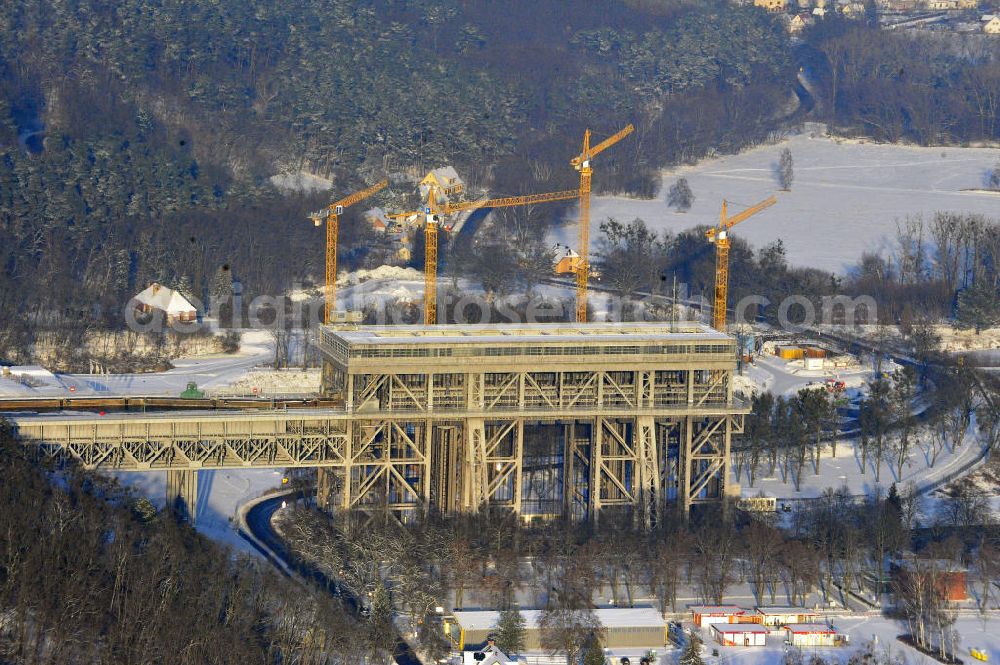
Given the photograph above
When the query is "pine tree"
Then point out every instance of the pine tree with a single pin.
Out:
(222, 283)
(786, 173)
(978, 307)
(692, 652)
(380, 632)
(510, 631)
(185, 288)
(595, 653)
(680, 197)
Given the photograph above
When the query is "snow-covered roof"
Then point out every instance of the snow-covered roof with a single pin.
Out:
(784, 610)
(740, 628)
(616, 617)
(716, 609)
(810, 628)
(494, 656)
(30, 370)
(530, 332)
(445, 175)
(167, 300)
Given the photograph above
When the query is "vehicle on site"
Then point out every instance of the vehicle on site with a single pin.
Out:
(192, 392)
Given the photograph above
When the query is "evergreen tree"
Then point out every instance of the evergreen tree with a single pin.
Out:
(786, 173)
(222, 283)
(380, 633)
(510, 631)
(680, 197)
(185, 288)
(978, 307)
(692, 652)
(595, 653)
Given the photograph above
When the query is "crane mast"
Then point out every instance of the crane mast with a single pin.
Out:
(582, 164)
(430, 258)
(332, 215)
(720, 236)
(583, 239)
(431, 233)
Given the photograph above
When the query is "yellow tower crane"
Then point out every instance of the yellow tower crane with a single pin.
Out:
(332, 215)
(720, 236)
(432, 210)
(582, 164)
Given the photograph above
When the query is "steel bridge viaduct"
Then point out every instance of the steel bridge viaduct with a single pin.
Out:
(541, 419)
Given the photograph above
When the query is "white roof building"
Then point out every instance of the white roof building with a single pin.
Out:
(491, 656)
(740, 634)
(706, 615)
(159, 298)
(780, 616)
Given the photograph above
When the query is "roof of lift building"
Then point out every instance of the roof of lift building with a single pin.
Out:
(520, 333)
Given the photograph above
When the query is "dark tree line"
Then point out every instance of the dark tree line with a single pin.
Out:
(942, 268)
(151, 161)
(872, 84)
(90, 574)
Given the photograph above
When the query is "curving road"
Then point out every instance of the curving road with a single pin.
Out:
(258, 522)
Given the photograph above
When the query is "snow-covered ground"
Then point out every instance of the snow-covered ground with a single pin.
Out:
(207, 371)
(953, 340)
(844, 470)
(220, 493)
(845, 200)
(781, 377)
(301, 181)
(786, 378)
(862, 629)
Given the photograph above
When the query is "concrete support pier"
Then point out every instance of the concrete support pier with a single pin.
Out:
(182, 493)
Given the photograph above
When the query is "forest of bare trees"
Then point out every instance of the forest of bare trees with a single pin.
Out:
(90, 573)
(939, 269)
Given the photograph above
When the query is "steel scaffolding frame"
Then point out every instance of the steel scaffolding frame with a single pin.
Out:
(435, 418)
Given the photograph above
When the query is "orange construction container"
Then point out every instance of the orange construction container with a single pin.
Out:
(789, 352)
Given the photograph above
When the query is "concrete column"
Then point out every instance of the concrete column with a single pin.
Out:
(327, 379)
(348, 473)
(324, 486)
(596, 454)
(519, 468)
(182, 493)
(687, 443)
(428, 448)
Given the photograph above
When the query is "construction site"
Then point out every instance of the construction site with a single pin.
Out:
(545, 420)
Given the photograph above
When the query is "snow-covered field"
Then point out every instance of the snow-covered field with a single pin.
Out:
(862, 629)
(844, 470)
(845, 199)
